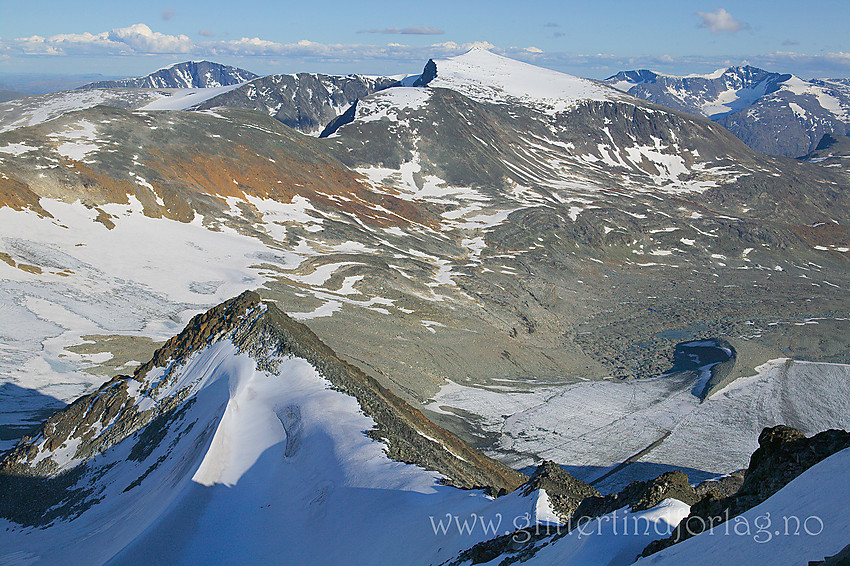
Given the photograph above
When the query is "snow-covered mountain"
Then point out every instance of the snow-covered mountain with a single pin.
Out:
(776, 114)
(518, 254)
(189, 74)
(238, 442)
(244, 439)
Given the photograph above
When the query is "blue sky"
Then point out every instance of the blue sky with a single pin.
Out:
(593, 39)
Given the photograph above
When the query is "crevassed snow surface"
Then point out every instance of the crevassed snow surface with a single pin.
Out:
(487, 77)
(268, 469)
(99, 281)
(596, 425)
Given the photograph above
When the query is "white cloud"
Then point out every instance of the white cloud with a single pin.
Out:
(143, 39)
(720, 21)
(135, 39)
(139, 39)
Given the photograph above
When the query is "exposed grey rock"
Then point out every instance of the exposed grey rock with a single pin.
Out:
(721, 487)
(693, 93)
(640, 495)
(520, 545)
(428, 74)
(565, 492)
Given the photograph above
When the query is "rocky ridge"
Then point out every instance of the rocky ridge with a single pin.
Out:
(116, 413)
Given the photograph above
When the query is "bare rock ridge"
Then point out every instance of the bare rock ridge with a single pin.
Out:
(783, 454)
(35, 489)
(428, 74)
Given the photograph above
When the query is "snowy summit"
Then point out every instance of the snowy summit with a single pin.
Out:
(487, 77)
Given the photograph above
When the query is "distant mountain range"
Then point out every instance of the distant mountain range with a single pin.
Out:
(776, 114)
(189, 74)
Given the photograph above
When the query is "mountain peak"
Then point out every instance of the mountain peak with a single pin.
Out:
(485, 76)
(187, 74)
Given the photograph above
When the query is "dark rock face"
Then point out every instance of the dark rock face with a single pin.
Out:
(190, 74)
(783, 454)
(774, 127)
(428, 74)
(840, 559)
(306, 101)
(111, 416)
(345, 118)
(565, 492)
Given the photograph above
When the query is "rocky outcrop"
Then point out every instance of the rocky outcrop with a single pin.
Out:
(565, 492)
(345, 118)
(189, 74)
(428, 74)
(783, 454)
(723, 486)
(522, 544)
(640, 495)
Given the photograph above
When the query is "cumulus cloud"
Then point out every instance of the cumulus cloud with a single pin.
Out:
(143, 39)
(720, 21)
(206, 33)
(416, 30)
(135, 39)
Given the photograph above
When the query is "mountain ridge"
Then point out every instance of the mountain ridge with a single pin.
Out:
(188, 74)
(774, 113)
